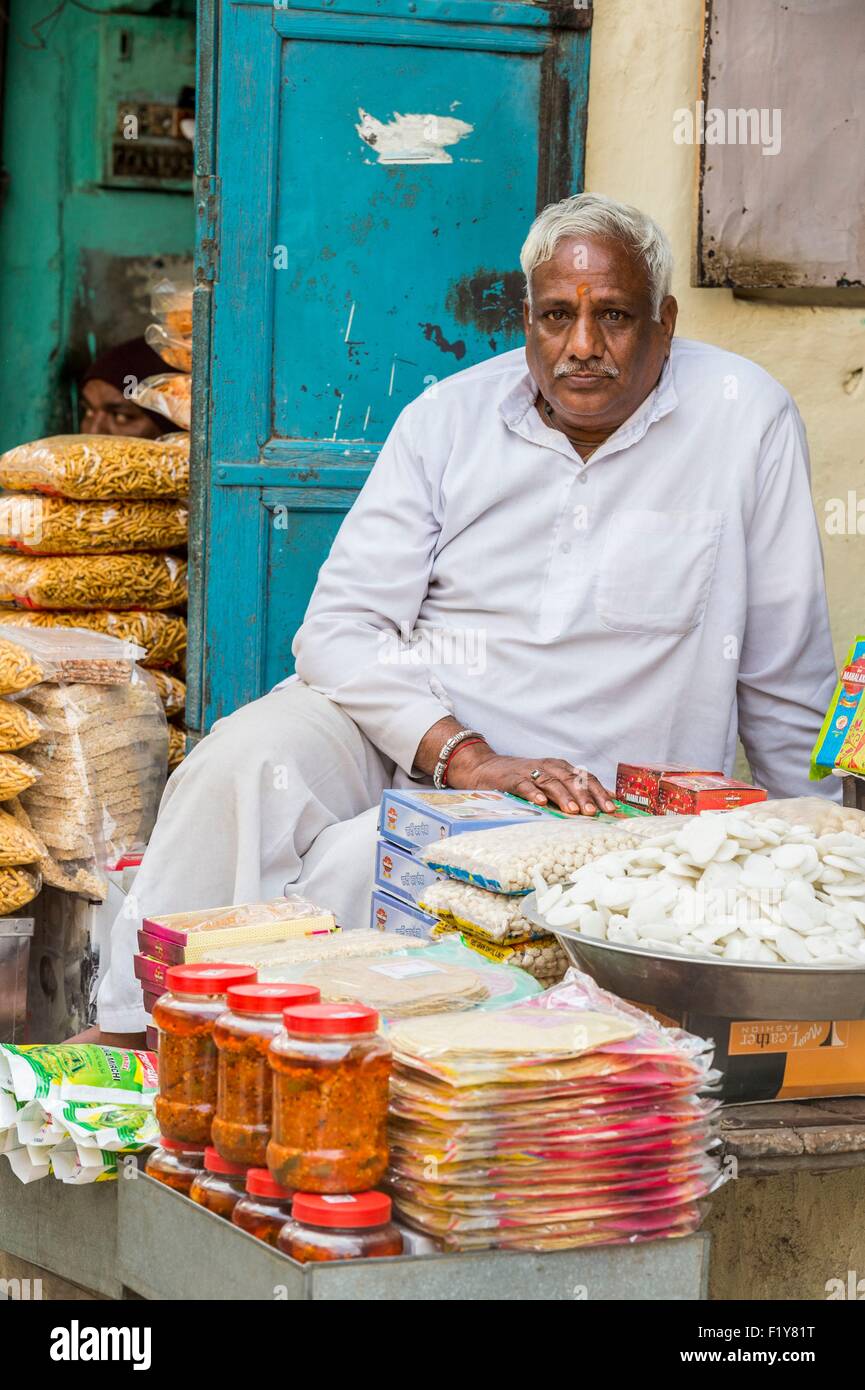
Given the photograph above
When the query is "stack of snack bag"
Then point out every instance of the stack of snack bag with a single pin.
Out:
(95, 736)
(93, 532)
(170, 393)
(73, 1110)
(489, 872)
(575, 1120)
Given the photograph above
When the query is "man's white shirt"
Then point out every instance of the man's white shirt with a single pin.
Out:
(641, 606)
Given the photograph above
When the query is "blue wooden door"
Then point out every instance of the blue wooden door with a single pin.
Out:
(367, 170)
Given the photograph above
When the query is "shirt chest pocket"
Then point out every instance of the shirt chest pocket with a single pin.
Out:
(656, 570)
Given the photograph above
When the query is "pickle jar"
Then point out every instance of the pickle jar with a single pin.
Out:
(244, 1089)
(221, 1185)
(185, 1017)
(176, 1163)
(345, 1227)
(266, 1207)
(330, 1098)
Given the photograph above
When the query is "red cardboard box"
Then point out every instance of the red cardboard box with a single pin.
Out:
(151, 973)
(688, 795)
(157, 949)
(639, 784)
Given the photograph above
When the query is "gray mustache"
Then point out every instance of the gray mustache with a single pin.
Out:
(567, 369)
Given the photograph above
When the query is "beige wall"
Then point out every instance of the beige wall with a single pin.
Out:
(645, 65)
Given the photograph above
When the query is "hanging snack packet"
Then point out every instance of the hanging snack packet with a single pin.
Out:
(79, 1071)
(116, 1128)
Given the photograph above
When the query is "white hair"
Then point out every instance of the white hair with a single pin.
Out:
(593, 215)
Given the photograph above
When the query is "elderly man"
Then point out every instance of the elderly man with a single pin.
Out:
(602, 546)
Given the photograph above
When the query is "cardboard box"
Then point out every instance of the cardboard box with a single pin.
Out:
(638, 784)
(689, 795)
(769, 1059)
(395, 915)
(150, 998)
(398, 872)
(158, 949)
(151, 973)
(152, 1038)
(243, 924)
(413, 819)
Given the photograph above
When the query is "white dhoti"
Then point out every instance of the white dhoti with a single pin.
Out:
(280, 797)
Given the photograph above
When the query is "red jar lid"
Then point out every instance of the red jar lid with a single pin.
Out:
(205, 978)
(316, 1020)
(178, 1146)
(271, 998)
(260, 1183)
(361, 1209)
(215, 1163)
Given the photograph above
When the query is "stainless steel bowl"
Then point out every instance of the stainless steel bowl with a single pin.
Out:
(678, 984)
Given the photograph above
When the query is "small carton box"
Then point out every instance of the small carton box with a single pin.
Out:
(151, 997)
(158, 949)
(690, 795)
(413, 819)
(150, 972)
(240, 924)
(398, 872)
(845, 705)
(152, 1038)
(396, 915)
(639, 784)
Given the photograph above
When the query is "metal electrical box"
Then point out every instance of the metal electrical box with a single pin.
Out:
(367, 171)
(145, 65)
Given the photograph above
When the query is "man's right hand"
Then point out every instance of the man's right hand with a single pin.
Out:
(571, 789)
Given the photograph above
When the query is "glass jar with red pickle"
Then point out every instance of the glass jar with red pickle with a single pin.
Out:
(244, 1089)
(266, 1207)
(220, 1186)
(356, 1227)
(176, 1163)
(330, 1097)
(185, 1017)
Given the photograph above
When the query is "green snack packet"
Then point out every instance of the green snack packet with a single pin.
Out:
(79, 1071)
(114, 1128)
(67, 1166)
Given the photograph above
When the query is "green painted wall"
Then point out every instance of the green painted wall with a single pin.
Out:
(76, 257)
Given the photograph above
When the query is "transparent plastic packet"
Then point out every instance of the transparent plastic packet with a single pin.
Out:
(818, 813)
(73, 876)
(18, 886)
(497, 916)
(33, 524)
(18, 727)
(172, 692)
(560, 1235)
(175, 349)
(515, 858)
(171, 305)
(103, 763)
(18, 844)
(441, 978)
(589, 1205)
(176, 745)
(16, 775)
(98, 466)
(30, 656)
(140, 579)
(541, 957)
(170, 394)
(162, 636)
